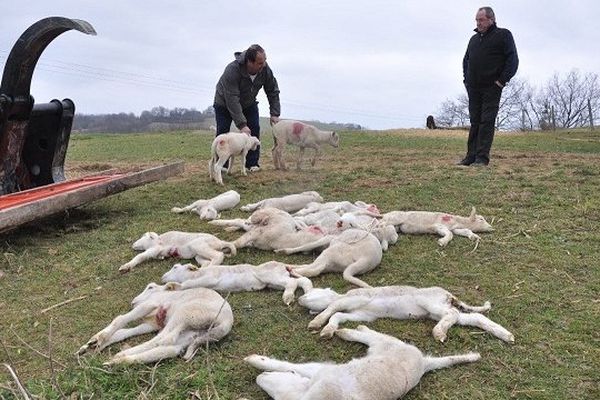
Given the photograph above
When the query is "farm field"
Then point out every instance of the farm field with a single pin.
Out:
(540, 268)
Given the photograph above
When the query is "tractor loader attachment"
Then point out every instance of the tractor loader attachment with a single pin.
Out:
(34, 139)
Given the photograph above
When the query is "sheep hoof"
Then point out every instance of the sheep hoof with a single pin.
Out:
(124, 268)
(327, 332)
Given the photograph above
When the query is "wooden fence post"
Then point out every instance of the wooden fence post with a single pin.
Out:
(591, 116)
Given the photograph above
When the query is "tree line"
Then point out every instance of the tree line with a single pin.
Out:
(565, 101)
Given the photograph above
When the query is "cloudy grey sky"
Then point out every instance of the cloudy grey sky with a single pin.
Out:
(382, 64)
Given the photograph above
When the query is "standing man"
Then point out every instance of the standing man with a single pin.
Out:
(235, 97)
(490, 62)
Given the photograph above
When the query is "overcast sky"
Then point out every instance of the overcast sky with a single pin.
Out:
(382, 64)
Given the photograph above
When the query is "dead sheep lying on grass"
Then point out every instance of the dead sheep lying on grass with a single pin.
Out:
(186, 320)
(239, 278)
(389, 370)
(301, 135)
(289, 203)
(399, 302)
(205, 248)
(209, 209)
(438, 223)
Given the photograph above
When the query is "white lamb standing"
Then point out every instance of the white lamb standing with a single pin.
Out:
(205, 248)
(240, 278)
(226, 147)
(186, 320)
(209, 209)
(289, 203)
(398, 302)
(442, 224)
(390, 369)
(301, 135)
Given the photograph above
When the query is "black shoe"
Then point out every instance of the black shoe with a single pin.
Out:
(466, 161)
(480, 163)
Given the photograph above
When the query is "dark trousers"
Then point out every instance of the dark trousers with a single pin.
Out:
(483, 109)
(224, 120)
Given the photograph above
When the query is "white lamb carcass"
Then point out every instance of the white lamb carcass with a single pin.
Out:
(240, 278)
(227, 146)
(209, 209)
(302, 135)
(399, 302)
(186, 320)
(290, 203)
(205, 248)
(442, 224)
(389, 370)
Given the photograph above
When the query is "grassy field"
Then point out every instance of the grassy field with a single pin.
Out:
(540, 268)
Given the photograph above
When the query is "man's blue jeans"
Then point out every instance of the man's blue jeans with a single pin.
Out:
(223, 119)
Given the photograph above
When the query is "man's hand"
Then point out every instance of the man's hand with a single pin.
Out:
(245, 130)
(274, 120)
(499, 84)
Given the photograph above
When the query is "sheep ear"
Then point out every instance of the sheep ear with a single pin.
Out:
(333, 134)
(172, 286)
(192, 267)
(473, 214)
(153, 235)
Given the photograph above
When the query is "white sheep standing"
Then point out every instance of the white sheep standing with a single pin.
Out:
(186, 320)
(209, 209)
(399, 302)
(390, 369)
(442, 224)
(302, 135)
(227, 146)
(240, 278)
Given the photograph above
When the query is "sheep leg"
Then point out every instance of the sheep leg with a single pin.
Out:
(283, 385)
(440, 330)
(300, 156)
(342, 304)
(219, 330)
(315, 156)
(217, 170)
(231, 224)
(244, 154)
(203, 251)
(338, 318)
(152, 355)
(152, 252)
(245, 240)
(310, 270)
(205, 281)
(263, 363)
(357, 267)
(431, 363)
(361, 334)
(98, 340)
(324, 241)
(126, 333)
(483, 322)
(466, 233)
(443, 231)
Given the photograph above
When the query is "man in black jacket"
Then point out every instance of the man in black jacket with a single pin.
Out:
(490, 62)
(235, 96)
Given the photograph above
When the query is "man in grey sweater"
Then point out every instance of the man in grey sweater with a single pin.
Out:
(235, 97)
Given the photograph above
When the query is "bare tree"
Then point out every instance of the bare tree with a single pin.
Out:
(568, 99)
(514, 105)
(454, 112)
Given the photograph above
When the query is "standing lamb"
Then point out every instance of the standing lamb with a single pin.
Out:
(226, 147)
(389, 370)
(186, 319)
(209, 209)
(301, 135)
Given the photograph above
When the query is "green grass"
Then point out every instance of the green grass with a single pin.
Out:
(540, 268)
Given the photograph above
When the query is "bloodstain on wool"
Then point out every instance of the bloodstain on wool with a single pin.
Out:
(161, 316)
(316, 229)
(173, 252)
(447, 218)
(297, 128)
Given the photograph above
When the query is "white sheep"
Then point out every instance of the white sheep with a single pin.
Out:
(186, 319)
(226, 147)
(442, 224)
(209, 209)
(339, 207)
(352, 252)
(205, 248)
(289, 203)
(301, 135)
(239, 278)
(399, 302)
(390, 369)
